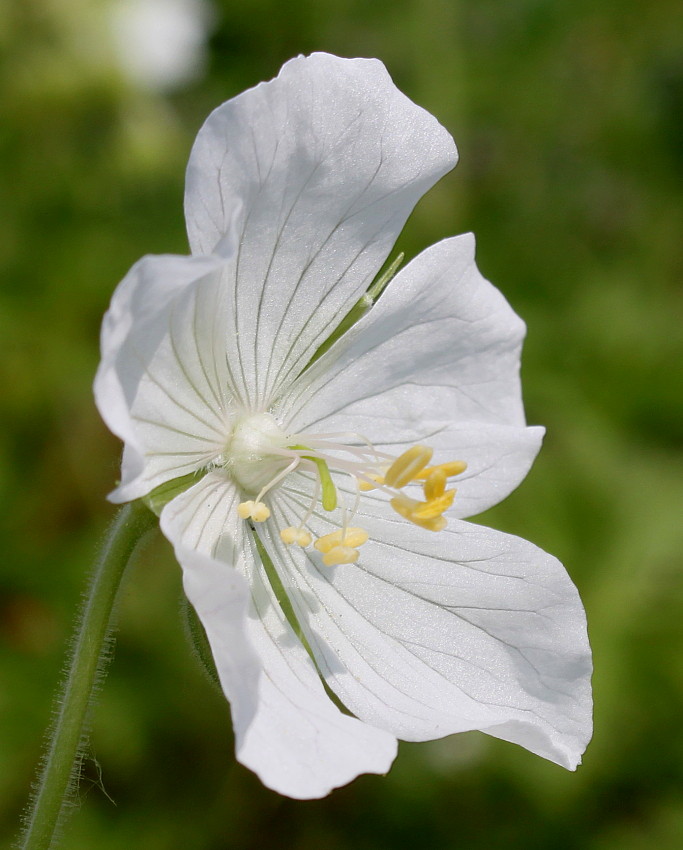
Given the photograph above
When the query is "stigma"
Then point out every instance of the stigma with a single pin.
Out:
(260, 456)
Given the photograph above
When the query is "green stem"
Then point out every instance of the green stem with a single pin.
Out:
(68, 734)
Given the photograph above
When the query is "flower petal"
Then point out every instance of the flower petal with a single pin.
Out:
(440, 327)
(436, 360)
(430, 634)
(287, 729)
(326, 162)
(163, 383)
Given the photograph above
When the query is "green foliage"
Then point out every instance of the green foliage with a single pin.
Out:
(568, 120)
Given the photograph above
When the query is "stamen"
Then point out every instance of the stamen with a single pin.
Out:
(295, 535)
(344, 538)
(406, 508)
(453, 467)
(347, 516)
(253, 510)
(435, 485)
(244, 509)
(339, 547)
(314, 502)
(340, 555)
(260, 512)
(300, 535)
(366, 486)
(368, 468)
(324, 439)
(407, 466)
(434, 507)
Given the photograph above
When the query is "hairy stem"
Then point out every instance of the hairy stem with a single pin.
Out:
(67, 737)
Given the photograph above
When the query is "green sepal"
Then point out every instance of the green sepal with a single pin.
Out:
(199, 643)
(359, 309)
(162, 495)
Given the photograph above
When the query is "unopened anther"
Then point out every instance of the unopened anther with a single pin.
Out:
(407, 466)
(406, 508)
(453, 467)
(435, 485)
(434, 507)
(366, 486)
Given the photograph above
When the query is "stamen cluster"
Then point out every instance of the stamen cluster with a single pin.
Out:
(411, 467)
(369, 470)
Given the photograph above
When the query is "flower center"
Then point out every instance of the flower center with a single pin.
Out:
(260, 455)
(253, 454)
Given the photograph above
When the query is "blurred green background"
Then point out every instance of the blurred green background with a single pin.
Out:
(568, 117)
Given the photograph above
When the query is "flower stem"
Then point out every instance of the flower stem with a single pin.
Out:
(68, 734)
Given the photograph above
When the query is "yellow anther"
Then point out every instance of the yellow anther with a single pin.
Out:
(435, 485)
(453, 467)
(260, 513)
(295, 535)
(253, 510)
(434, 507)
(407, 509)
(364, 486)
(244, 509)
(340, 555)
(289, 535)
(407, 466)
(353, 537)
(436, 524)
(404, 506)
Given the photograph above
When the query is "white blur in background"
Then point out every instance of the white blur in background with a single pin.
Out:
(161, 44)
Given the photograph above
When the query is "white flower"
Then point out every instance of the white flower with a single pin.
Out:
(296, 192)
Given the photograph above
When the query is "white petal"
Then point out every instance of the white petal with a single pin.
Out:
(327, 162)
(430, 634)
(221, 597)
(299, 743)
(498, 458)
(442, 343)
(436, 360)
(287, 729)
(162, 385)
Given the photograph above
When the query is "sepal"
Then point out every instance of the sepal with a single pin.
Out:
(199, 643)
(157, 500)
